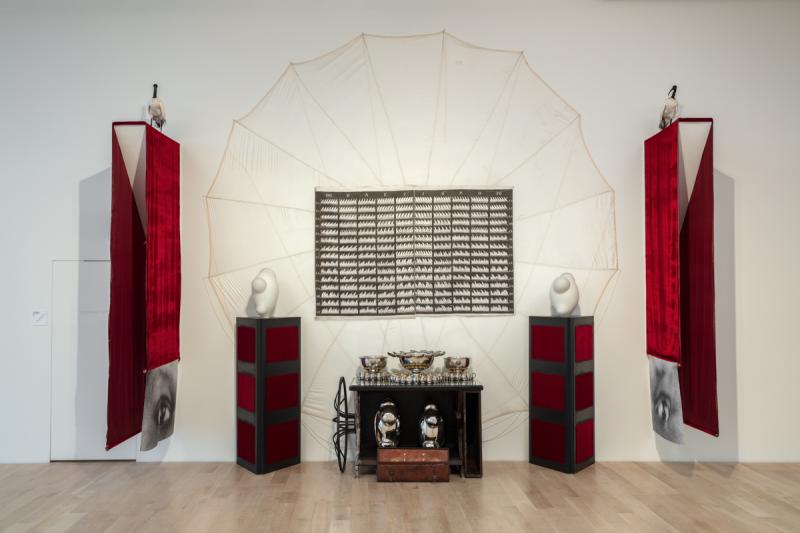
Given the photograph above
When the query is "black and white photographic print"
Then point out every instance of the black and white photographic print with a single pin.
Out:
(158, 418)
(414, 251)
(665, 396)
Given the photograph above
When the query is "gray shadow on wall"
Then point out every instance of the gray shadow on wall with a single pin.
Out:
(94, 218)
(699, 446)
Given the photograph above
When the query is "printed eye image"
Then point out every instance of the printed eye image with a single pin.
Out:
(665, 395)
(158, 419)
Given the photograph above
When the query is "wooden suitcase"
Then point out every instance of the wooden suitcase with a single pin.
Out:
(413, 464)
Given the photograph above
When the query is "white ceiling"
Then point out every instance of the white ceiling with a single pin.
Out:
(299, 5)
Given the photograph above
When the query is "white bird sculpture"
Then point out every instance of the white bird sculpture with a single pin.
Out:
(670, 110)
(156, 109)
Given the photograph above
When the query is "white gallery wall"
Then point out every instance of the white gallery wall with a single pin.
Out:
(67, 75)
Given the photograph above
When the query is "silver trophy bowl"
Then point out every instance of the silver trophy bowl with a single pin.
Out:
(416, 360)
(373, 363)
(456, 364)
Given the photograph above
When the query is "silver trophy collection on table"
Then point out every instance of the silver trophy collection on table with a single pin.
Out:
(416, 371)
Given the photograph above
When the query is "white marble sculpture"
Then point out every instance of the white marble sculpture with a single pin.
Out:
(564, 295)
(265, 292)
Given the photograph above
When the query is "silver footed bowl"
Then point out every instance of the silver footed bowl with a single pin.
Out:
(373, 363)
(456, 364)
(416, 360)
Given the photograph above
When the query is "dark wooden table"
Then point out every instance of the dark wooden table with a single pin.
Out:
(459, 405)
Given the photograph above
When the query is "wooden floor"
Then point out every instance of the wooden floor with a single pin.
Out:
(221, 497)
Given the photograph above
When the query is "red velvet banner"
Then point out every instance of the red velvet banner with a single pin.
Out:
(698, 368)
(127, 354)
(680, 273)
(662, 252)
(144, 312)
(163, 249)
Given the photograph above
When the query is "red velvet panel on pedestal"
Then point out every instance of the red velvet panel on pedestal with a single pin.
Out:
(584, 391)
(584, 440)
(282, 441)
(246, 441)
(282, 391)
(547, 343)
(547, 390)
(246, 344)
(584, 343)
(246, 391)
(281, 344)
(547, 440)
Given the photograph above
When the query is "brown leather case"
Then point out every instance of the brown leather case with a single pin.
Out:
(413, 464)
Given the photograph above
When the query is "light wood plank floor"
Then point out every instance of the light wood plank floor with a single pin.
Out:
(221, 497)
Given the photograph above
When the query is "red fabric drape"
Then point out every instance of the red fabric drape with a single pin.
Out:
(127, 355)
(698, 369)
(662, 252)
(144, 312)
(163, 249)
(680, 274)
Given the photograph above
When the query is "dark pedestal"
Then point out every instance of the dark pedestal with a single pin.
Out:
(561, 361)
(267, 393)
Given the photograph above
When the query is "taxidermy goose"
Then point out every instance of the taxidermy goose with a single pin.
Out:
(156, 109)
(670, 108)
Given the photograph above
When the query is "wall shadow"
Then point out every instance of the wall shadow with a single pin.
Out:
(94, 219)
(699, 446)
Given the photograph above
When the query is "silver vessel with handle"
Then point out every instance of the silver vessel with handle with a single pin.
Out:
(431, 427)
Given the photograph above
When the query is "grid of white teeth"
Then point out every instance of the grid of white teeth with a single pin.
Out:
(414, 252)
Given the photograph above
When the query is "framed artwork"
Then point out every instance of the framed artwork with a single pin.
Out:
(414, 251)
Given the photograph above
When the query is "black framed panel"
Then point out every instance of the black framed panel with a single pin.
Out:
(414, 251)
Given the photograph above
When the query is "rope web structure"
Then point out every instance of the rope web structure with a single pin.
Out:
(414, 111)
